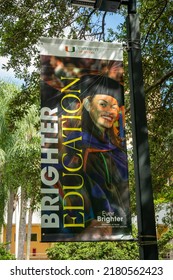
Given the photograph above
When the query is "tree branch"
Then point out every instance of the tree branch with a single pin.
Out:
(103, 25)
(154, 21)
(160, 81)
(82, 32)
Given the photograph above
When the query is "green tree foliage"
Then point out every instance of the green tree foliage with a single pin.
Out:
(23, 22)
(25, 154)
(157, 47)
(164, 244)
(93, 251)
(7, 92)
(20, 148)
(156, 27)
(4, 254)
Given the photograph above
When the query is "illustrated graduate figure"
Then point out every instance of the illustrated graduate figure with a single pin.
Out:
(105, 167)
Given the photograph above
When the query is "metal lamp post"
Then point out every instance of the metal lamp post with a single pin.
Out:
(144, 195)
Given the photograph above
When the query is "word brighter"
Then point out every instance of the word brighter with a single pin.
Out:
(109, 219)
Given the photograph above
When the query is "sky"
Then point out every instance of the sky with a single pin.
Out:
(8, 76)
(113, 20)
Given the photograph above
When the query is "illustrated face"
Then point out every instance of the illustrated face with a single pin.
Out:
(103, 110)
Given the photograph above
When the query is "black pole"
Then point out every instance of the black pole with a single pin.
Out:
(144, 194)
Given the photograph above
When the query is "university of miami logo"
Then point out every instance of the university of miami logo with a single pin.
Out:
(69, 49)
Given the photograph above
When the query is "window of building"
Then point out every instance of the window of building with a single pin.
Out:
(33, 236)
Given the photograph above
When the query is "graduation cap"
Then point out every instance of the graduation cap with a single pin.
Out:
(98, 84)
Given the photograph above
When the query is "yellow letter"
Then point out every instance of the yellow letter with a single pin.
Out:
(70, 207)
(73, 221)
(73, 96)
(72, 141)
(69, 129)
(72, 83)
(73, 187)
(73, 169)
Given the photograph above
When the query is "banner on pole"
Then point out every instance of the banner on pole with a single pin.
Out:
(84, 167)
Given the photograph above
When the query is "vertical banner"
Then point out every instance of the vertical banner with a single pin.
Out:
(84, 167)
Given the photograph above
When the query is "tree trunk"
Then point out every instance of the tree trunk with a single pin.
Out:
(22, 226)
(2, 206)
(28, 241)
(10, 211)
(1, 233)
